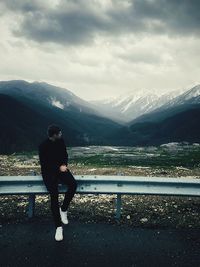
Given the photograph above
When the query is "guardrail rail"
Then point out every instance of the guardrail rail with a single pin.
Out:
(102, 184)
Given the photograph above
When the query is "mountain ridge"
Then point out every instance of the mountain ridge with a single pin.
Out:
(28, 108)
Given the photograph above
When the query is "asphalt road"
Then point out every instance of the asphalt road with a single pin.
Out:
(32, 243)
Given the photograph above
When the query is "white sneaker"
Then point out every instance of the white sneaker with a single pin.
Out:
(63, 215)
(59, 233)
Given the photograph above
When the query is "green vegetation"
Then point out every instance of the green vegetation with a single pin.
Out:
(188, 156)
(166, 157)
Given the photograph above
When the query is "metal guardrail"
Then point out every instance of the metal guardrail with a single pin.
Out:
(101, 184)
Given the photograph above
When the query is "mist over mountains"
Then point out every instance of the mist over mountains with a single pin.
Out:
(129, 106)
(26, 110)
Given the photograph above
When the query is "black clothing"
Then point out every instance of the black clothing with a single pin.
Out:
(64, 178)
(52, 154)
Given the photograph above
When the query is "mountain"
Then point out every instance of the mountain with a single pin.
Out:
(190, 97)
(131, 105)
(183, 126)
(17, 122)
(46, 94)
(28, 108)
(178, 119)
(183, 102)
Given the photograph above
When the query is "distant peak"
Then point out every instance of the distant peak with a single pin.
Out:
(194, 91)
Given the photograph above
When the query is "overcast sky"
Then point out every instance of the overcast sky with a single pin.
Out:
(102, 48)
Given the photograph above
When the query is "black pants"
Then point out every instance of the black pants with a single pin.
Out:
(51, 181)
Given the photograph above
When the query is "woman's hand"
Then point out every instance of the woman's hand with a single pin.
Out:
(63, 168)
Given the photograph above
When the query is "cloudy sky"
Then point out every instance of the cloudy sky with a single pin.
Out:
(102, 48)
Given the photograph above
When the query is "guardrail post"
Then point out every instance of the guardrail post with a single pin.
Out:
(31, 202)
(118, 202)
(118, 207)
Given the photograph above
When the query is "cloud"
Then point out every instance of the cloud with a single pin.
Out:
(25, 6)
(78, 22)
(178, 17)
(68, 22)
(101, 48)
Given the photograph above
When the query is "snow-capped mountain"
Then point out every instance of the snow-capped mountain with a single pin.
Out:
(191, 96)
(186, 100)
(131, 105)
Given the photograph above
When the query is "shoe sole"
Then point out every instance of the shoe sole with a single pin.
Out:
(58, 240)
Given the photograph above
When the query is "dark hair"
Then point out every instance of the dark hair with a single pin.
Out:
(53, 129)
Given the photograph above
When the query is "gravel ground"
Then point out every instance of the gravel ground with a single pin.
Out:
(138, 211)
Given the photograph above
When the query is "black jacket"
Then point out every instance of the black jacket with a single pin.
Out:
(52, 154)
